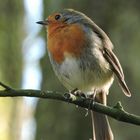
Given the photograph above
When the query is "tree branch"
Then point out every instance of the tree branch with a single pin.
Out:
(117, 112)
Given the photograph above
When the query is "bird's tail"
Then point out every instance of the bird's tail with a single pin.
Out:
(101, 127)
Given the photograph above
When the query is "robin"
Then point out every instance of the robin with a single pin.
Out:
(82, 58)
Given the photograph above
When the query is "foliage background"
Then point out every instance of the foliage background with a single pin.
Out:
(22, 118)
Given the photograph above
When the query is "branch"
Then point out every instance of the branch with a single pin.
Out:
(117, 112)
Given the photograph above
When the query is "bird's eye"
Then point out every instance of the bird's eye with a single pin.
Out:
(57, 17)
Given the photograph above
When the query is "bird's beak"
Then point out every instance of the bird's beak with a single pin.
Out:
(45, 22)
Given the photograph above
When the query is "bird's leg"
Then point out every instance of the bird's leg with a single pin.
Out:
(93, 95)
(92, 98)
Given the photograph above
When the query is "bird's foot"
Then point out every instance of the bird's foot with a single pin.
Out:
(78, 93)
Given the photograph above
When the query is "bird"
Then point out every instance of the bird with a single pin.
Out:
(82, 58)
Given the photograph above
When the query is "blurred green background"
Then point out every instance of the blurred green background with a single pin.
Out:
(23, 64)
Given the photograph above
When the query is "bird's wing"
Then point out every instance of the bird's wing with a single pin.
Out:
(111, 57)
(117, 69)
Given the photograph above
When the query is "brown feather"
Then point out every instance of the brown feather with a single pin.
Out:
(116, 67)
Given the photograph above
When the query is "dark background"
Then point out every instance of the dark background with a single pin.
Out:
(55, 120)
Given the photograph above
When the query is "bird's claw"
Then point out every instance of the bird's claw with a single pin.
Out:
(78, 93)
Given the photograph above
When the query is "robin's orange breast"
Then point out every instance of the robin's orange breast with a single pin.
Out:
(67, 40)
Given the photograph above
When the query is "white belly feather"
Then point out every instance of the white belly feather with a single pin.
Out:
(72, 76)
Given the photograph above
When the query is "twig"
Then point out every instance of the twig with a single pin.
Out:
(5, 86)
